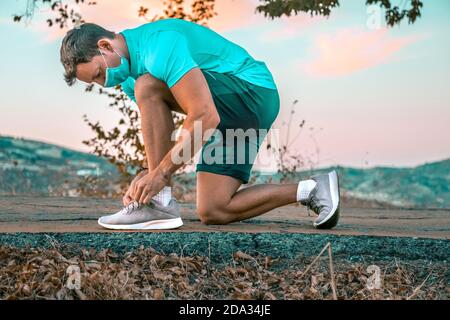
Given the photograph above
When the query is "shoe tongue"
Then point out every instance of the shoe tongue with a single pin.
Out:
(158, 204)
(152, 203)
(304, 202)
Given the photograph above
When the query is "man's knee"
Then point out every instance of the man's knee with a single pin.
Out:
(212, 214)
(148, 87)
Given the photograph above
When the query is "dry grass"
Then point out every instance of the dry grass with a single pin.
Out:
(146, 274)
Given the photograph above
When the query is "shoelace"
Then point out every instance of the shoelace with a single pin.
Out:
(131, 207)
(314, 205)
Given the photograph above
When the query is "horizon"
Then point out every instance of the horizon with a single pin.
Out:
(256, 170)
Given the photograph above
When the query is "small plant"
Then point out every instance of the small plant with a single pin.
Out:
(289, 160)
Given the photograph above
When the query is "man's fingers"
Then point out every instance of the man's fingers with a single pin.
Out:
(146, 199)
(132, 188)
(126, 200)
(138, 194)
(145, 193)
(147, 196)
(135, 193)
(132, 191)
(133, 185)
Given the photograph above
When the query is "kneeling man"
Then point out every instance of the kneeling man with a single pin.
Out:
(176, 65)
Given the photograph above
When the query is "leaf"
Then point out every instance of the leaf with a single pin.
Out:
(242, 255)
(158, 294)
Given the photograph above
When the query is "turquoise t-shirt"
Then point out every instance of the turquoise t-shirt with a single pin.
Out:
(169, 48)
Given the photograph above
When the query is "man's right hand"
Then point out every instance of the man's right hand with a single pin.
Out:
(127, 198)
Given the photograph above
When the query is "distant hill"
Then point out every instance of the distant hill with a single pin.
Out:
(424, 186)
(28, 166)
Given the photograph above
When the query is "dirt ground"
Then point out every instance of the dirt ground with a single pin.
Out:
(269, 257)
(54, 214)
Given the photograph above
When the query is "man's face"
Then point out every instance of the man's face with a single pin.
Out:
(95, 70)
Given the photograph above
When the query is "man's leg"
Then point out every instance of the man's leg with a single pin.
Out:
(242, 105)
(155, 103)
(225, 204)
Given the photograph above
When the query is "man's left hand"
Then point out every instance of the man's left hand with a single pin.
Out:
(149, 185)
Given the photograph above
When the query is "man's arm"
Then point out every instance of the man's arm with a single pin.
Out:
(194, 97)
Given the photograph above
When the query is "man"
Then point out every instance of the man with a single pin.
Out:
(176, 65)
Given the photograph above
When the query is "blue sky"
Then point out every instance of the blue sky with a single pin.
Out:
(381, 97)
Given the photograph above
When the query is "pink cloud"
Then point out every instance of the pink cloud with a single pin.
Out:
(288, 28)
(235, 14)
(113, 15)
(353, 50)
(119, 15)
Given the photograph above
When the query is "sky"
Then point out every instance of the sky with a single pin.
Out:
(369, 95)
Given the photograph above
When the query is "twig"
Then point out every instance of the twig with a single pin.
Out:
(333, 284)
(80, 294)
(416, 290)
(209, 249)
(126, 282)
(53, 242)
(314, 261)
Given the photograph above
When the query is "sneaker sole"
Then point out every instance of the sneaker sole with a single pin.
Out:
(332, 219)
(150, 225)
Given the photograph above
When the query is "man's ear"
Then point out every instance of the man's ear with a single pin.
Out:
(105, 44)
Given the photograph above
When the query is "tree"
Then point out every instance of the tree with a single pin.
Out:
(394, 14)
(203, 10)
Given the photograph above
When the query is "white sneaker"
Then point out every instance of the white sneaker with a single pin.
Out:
(152, 216)
(324, 200)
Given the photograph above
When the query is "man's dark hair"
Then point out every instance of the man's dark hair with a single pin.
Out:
(80, 46)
